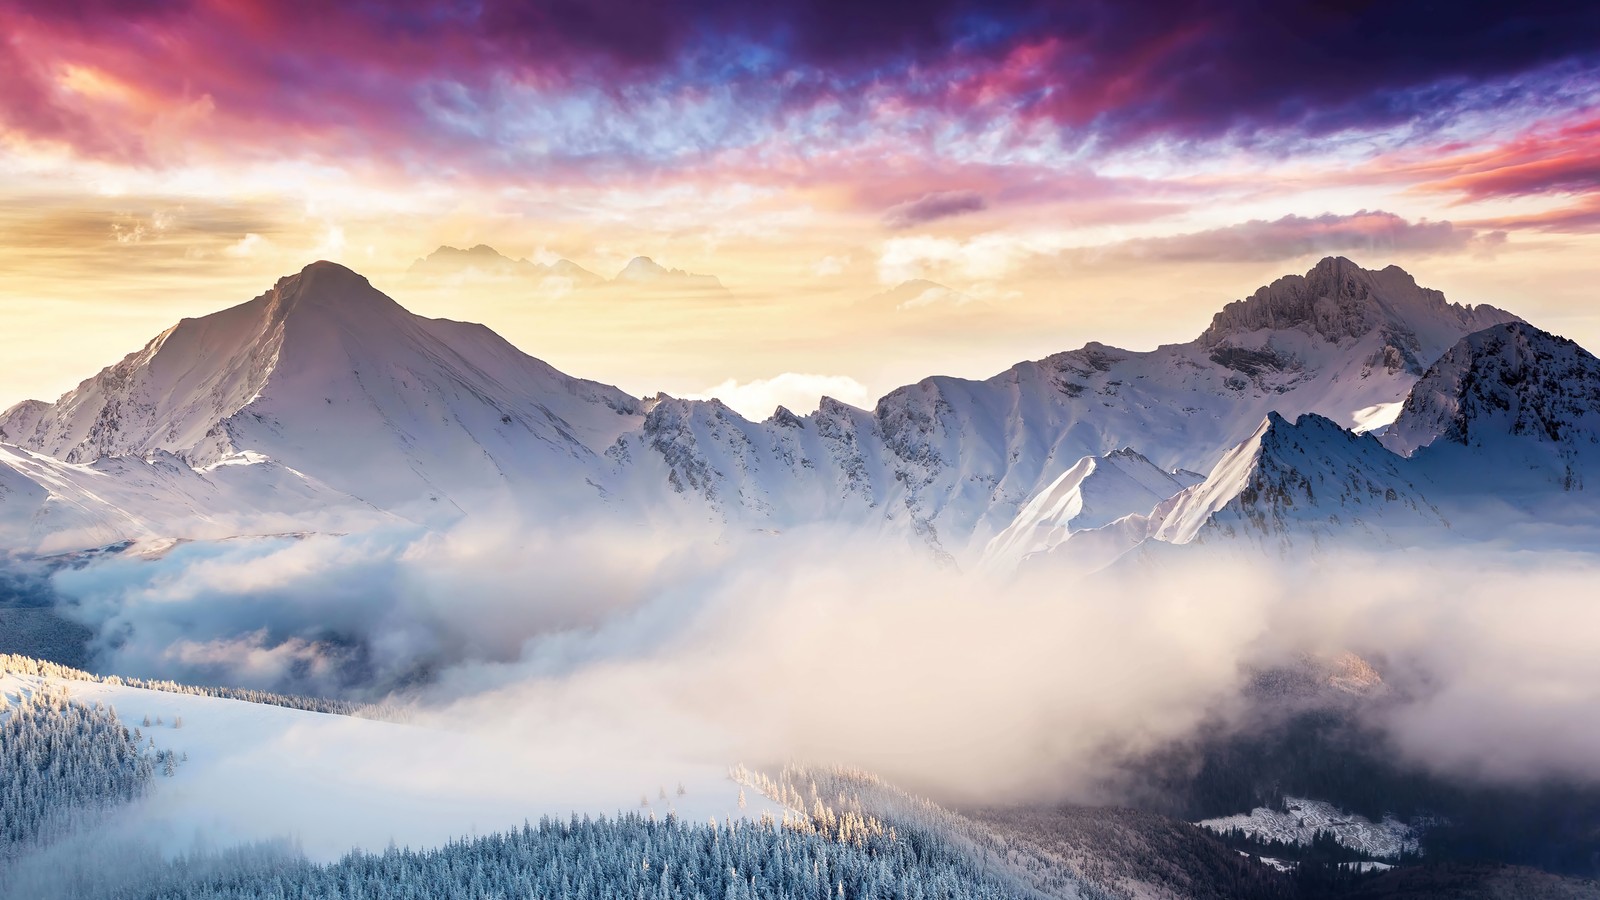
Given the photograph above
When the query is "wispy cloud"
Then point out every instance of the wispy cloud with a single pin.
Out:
(796, 391)
(933, 206)
(1292, 237)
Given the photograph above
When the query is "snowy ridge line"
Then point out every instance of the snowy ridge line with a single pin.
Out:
(26, 665)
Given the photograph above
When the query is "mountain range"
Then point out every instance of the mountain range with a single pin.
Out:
(1340, 404)
(483, 261)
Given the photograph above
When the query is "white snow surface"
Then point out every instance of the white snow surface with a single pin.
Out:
(1513, 397)
(1303, 818)
(1290, 486)
(1306, 478)
(1095, 492)
(50, 505)
(338, 783)
(1377, 418)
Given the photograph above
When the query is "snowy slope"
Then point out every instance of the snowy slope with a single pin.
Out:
(1301, 819)
(1512, 400)
(1302, 483)
(47, 505)
(22, 419)
(1288, 487)
(1094, 493)
(337, 783)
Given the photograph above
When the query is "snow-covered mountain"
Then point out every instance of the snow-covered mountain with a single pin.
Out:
(326, 378)
(1095, 492)
(1290, 486)
(956, 460)
(1513, 397)
(1305, 480)
(1505, 426)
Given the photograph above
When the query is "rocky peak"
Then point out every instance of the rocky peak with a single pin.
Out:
(329, 287)
(1340, 301)
(1511, 380)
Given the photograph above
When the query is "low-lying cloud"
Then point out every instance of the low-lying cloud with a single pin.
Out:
(333, 613)
(799, 392)
(839, 648)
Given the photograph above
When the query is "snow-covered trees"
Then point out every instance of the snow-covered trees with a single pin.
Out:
(62, 762)
(857, 807)
(589, 859)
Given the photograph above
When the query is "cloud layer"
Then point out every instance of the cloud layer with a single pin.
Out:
(842, 648)
(571, 85)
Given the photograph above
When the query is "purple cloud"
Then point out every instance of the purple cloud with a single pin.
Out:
(1292, 236)
(520, 84)
(933, 206)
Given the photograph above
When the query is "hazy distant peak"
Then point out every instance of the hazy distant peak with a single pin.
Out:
(480, 259)
(644, 271)
(566, 268)
(643, 267)
(484, 260)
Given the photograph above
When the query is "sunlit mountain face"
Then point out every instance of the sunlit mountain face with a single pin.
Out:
(799, 451)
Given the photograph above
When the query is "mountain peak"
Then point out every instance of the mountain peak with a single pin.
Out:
(642, 270)
(1340, 302)
(329, 287)
(323, 277)
(1508, 389)
(324, 372)
(1308, 476)
(642, 267)
(1093, 493)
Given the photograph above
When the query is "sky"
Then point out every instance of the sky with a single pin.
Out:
(1061, 172)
